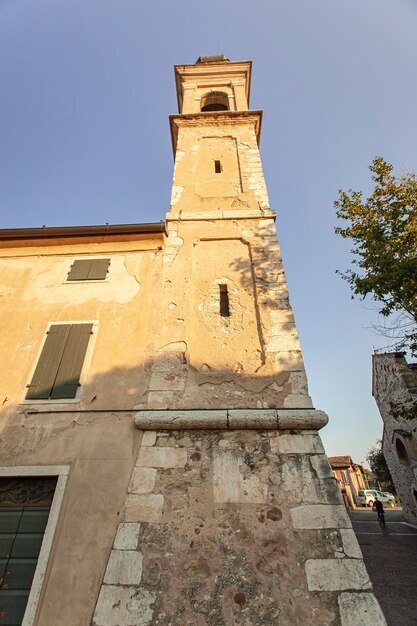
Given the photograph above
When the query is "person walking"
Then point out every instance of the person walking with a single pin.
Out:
(380, 511)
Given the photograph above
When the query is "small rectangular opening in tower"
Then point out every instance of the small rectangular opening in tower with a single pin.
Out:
(224, 301)
(218, 167)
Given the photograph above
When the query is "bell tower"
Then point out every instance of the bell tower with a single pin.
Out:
(215, 139)
(241, 518)
(222, 249)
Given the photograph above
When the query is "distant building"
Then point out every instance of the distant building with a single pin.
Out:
(394, 387)
(351, 478)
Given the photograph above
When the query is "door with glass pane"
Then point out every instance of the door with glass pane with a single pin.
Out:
(25, 503)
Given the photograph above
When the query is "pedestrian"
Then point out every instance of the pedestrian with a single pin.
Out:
(380, 511)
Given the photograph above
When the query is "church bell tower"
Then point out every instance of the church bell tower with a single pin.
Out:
(241, 517)
(223, 268)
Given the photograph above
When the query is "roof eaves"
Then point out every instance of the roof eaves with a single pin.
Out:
(81, 231)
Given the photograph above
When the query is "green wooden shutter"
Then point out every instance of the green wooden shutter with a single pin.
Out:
(45, 373)
(89, 269)
(69, 370)
(98, 269)
(79, 270)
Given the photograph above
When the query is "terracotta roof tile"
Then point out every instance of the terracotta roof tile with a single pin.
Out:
(340, 461)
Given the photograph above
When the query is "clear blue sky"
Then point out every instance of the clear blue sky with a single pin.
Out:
(86, 90)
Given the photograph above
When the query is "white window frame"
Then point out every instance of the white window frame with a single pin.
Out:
(62, 472)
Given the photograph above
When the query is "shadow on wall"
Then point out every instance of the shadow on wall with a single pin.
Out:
(265, 271)
(164, 381)
(224, 367)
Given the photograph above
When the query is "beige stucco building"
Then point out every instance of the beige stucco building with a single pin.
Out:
(351, 479)
(155, 407)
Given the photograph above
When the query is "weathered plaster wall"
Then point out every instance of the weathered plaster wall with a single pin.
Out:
(217, 342)
(232, 140)
(187, 354)
(101, 450)
(93, 435)
(221, 231)
(225, 183)
(35, 292)
(238, 527)
(199, 358)
(395, 386)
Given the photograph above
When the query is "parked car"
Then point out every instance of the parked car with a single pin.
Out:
(390, 498)
(367, 497)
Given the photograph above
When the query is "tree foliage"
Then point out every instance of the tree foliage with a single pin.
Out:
(383, 228)
(379, 468)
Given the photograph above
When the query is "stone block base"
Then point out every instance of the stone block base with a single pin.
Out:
(235, 527)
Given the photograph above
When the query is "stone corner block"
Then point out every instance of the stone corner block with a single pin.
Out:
(124, 568)
(336, 575)
(162, 457)
(143, 480)
(300, 443)
(146, 508)
(123, 605)
(315, 516)
(350, 544)
(360, 608)
(149, 438)
(321, 466)
(127, 536)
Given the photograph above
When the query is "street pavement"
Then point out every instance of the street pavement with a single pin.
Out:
(390, 556)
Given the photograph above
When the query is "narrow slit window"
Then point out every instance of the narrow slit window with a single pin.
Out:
(224, 301)
(218, 167)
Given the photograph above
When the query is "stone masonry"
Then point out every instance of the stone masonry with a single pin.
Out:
(234, 527)
(395, 392)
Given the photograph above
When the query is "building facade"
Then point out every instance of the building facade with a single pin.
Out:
(157, 430)
(394, 387)
(351, 479)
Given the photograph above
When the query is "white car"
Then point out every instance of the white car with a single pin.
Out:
(387, 497)
(367, 497)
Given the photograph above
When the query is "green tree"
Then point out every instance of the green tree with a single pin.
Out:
(383, 229)
(379, 468)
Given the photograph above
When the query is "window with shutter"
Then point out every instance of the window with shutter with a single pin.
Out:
(57, 374)
(89, 269)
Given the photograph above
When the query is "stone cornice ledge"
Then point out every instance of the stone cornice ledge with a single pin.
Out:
(231, 419)
(228, 214)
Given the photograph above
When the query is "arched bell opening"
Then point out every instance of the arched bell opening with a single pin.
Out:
(215, 101)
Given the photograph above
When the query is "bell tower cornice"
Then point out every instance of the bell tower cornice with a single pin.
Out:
(227, 119)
